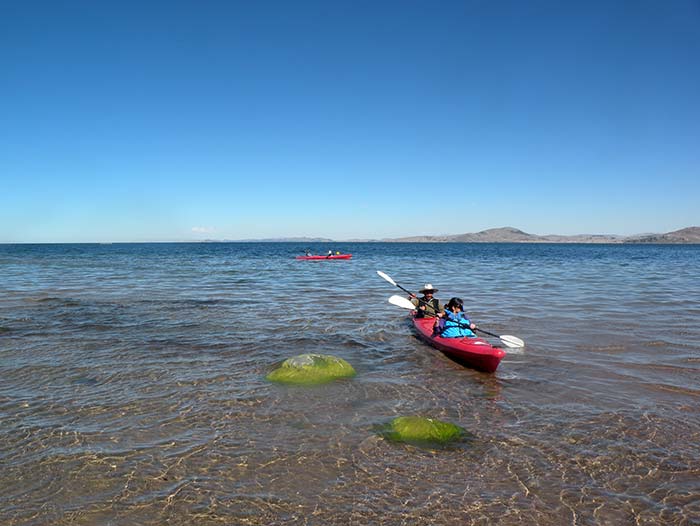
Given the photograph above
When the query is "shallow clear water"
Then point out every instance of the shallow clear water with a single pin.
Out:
(133, 391)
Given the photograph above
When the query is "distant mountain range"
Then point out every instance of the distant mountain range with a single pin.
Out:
(511, 235)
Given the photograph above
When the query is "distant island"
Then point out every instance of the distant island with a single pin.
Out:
(510, 235)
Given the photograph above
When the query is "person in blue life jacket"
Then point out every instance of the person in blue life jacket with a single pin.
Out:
(427, 306)
(455, 323)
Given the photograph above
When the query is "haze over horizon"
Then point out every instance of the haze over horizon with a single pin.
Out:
(133, 122)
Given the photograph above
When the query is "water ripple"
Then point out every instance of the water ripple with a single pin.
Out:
(133, 386)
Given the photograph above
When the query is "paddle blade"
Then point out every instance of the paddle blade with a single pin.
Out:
(401, 302)
(387, 278)
(512, 341)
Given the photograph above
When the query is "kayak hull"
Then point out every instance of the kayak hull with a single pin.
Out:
(334, 256)
(475, 353)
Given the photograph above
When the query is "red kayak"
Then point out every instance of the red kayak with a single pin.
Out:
(332, 256)
(476, 353)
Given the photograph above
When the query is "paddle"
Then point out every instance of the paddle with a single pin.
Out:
(402, 302)
(510, 341)
(388, 278)
(507, 339)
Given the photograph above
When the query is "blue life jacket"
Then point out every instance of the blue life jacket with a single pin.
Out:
(454, 326)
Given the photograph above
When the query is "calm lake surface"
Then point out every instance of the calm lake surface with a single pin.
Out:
(133, 391)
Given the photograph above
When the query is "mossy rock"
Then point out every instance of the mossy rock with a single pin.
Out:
(311, 369)
(421, 431)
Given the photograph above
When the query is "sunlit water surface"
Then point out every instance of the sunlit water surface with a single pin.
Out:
(133, 391)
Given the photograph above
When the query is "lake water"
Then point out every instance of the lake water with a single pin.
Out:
(133, 391)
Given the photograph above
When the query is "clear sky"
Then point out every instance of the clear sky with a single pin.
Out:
(167, 121)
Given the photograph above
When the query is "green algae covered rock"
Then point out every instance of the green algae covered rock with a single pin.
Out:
(311, 369)
(418, 430)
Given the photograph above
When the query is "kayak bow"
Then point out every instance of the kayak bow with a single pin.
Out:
(476, 353)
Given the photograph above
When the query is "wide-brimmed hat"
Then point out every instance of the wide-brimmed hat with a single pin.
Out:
(427, 288)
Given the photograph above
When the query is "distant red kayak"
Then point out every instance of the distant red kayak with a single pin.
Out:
(332, 256)
(476, 353)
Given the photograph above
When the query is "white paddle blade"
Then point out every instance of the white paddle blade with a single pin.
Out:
(387, 278)
(401, 302)
(512, 341)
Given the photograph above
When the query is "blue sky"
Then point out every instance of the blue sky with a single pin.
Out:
(166, 121)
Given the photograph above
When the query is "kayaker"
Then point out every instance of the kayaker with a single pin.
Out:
(427, 306)
(455, 323)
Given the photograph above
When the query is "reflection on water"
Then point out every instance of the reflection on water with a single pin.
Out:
(133, 387)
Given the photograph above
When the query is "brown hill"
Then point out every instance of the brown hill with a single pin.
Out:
(684, 235)
(497, 235)
(513, 235)
(492, 235)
